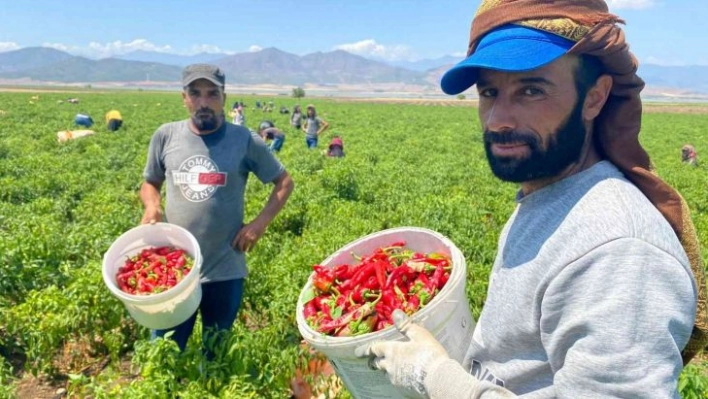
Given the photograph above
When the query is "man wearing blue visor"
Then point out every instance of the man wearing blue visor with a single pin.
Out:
(596, 285)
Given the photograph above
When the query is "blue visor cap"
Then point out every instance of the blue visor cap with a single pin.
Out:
(510, 48)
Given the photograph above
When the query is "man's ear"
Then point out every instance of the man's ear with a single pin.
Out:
(597, 97)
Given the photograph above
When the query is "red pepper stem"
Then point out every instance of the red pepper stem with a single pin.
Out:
(378, 298)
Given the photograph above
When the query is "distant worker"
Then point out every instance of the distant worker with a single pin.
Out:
(689, 155)
(313, 126)
(239, 118)
(270, 133)
(267, 106)
(113, 120)
(83, 120)
(336, 148)
(296, 117)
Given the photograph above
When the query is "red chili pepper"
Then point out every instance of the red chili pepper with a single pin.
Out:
(321, 302)
(357, 295)
(412, 305)
(310, 310)
(381, 323)
(444, 279)
(343, 272)
(372, 283)
(381, 273)
(395, 278)
(359, 276)
(355, 313)
(322, 283)
(437, 276)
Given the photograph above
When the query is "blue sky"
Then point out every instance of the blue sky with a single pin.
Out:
(665, 32)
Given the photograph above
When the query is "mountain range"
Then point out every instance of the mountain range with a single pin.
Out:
(268, 66)
(277, 67)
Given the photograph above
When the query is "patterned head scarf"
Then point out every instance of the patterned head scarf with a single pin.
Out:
(596, 33)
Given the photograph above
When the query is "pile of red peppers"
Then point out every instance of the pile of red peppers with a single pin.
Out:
(350, 300)
(153, 270)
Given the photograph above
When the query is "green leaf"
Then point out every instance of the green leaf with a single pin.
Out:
(336, 312)
(308, 296)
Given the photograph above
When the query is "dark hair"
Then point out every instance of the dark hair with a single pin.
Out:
(266, 125)
(586, 74)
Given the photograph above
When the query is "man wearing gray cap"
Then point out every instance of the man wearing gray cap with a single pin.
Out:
(205, 162)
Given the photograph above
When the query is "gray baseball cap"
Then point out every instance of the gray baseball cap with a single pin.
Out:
(209, 72)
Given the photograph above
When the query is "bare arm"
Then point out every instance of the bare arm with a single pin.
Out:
(250, 233)
(323, 127)
(150, 195)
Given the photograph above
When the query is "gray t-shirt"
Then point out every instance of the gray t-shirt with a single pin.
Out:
(591, 295)
(296, 119)
(206, 180)
(313, 125)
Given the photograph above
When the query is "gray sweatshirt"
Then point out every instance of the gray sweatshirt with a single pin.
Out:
(591, 295)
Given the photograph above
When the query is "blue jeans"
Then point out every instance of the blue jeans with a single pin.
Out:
(219, 306)
(311, 142)
(277, 143)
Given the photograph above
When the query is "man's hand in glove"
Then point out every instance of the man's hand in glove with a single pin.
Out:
(406, 363)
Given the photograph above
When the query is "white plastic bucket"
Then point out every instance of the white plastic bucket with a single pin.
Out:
(447, 316)
(169, 308)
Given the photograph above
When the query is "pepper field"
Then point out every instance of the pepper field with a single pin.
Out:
(408, 163)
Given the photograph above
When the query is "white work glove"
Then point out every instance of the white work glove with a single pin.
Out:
(406, 363)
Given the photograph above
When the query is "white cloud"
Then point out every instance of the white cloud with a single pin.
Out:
(57, 46)
(206, 48)
(630, 4)
(254, 48)
(110, 49)
(103, 50)
(369, 48)
(8, 46)
(118, 47)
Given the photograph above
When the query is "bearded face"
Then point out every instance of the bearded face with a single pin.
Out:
(563, 148)
(206, 120)
(205, 102)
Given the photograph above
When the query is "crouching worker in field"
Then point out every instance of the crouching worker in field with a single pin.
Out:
(205, 162)
(270, 133)
(689, 155)
(114, 120)
(83, 120)
(336, 148)
(594, 290)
